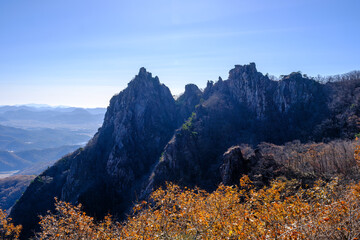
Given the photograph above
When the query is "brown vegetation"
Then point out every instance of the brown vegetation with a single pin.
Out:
(71, 223)
(282, 210)
(7, 229)
(11, 189)
(317, 159)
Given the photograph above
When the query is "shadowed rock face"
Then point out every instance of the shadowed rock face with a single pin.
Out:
(246, 108)
(140, 145)
(187, 101)
(261, 169)
(234, 165)
(107, 174)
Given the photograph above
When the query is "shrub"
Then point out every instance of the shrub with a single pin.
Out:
(281, 211)
(7, 229)
(70, 222)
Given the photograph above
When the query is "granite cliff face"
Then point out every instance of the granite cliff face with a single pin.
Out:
(246, 108)
(261, 169)
(188, 100)
(148, 138)
(248, 86)
(107, 174)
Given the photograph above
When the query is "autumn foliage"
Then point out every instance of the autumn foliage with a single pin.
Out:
(357, 151)
(7, 229)
(283, 210)
(70, 222)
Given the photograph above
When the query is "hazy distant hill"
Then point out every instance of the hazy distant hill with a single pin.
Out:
(44, 107)
(16, 139)
(32, 161)
(33, 136)
(11, 189)
(10, 161)
(40, 117)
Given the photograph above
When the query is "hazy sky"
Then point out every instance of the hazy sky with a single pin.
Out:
(81, 52)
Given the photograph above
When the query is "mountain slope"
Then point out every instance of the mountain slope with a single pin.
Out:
(10, 161)
(246, 108)
(138, 147)
(108, 173)
(11, 189)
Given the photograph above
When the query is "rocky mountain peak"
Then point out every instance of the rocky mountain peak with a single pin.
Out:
(294, 75)
(250, 87)
(143, 91)
(141, 144)
(106, 174)
(144, 81)
(239, 70)
(187, 101)
(192, 88)
(144, 73)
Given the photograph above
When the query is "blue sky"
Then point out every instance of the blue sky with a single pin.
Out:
(82, 52)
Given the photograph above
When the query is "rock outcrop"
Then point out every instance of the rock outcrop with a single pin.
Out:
(261, 169)
(246, 108)
(148, 138)
(108, 173)
(187, 101)
(234, 165)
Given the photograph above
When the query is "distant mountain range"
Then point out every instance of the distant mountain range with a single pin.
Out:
(51, 117)
(32, 161)
(148, 138)
(32, 137)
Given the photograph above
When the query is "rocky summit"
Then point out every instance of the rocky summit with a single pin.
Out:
(107, 174)
(148, 138)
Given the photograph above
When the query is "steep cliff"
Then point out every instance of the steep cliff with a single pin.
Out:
(246, 108)
(188, 100)
(148, 138)
(261, 169)
(107, 174)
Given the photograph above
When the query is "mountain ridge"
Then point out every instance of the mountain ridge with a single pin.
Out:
(145, 139)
